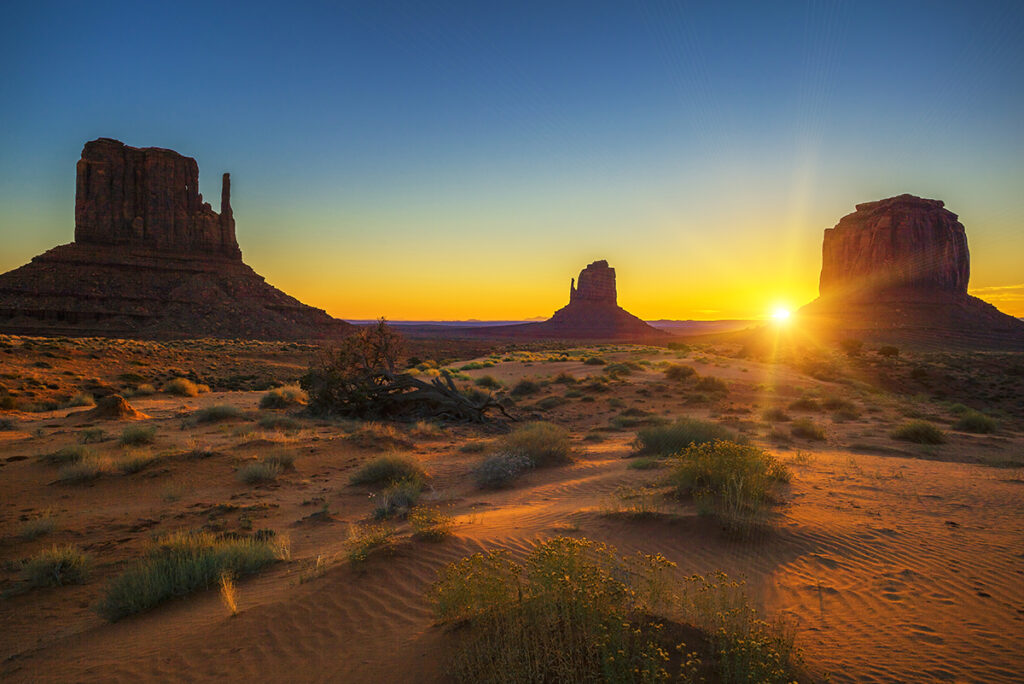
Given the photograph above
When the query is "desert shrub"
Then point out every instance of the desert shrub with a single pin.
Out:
(616, 370)
(284, 397)
(145, 389)
(137, 436)
(283, 423)
(677, 372)
(487, 382)
(258, 472)
(365, 539)
(217, 413)
(919, 373)
(473, 447)
(665, 440)
(37, 527)
(500, 469)
(92, 435)
(430, 524)
(564, 379)
(282, 459)
(6, 424)
(544, 444)
(807, 429)
(594, 361)
(57, 566)
(888, 351)
(711, 384)
(423, 429)
(575, 611)
(374, 435)
(81, 399)
(838, 404)
(548, 403)
(136, 461)
(919, 432)
(68, 455)
(845, 414)
(805, 404)
(398, 498)
(974, 421)
(388, 470)
(183, 387)
(524, 387)
(646, 463)
(851, 347)
(81, 471)
(184, 562)
(731, 481)
(775, 415)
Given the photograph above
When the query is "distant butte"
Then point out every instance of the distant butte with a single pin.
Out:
(592, 313)
(897, 270)
(150, 259)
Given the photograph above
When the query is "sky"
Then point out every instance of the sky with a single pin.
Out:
(445, 161)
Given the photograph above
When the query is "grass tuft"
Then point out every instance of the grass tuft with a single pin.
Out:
(137, 436)
(183, 387)
(388, 470)
(57, 566)
(217, 413)
(976, 422)
(284, 397)
(919, 432)
(665, 440)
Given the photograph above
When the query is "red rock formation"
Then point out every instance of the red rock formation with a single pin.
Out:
(591, 314)
(151, 260)
(896, 243)
(896, 270)
(149, 198)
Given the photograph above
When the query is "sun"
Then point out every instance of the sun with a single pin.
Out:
(781, 315)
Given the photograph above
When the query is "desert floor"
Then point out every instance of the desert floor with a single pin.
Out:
(894, 561)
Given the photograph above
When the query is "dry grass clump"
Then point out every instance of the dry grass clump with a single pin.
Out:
(976, 422)
(665, 440)
(807, 429)
(365, 539)
(259, 472)
(81, 399)
(919, 432)
(183, 387)
(397, 499)
(423, 429)
(138, 436)
(284, 397)
(217, 413)
(85, 470)
(487, 382)
(430, 524)
(711, 385)
(183, 562)
(678, 372)
(280, 423)
(37, 527)
(68, 455)
(374, 435)
(775, 415)
(733, 482)
(544, 444)
(501, 469)
(524, 388)
(388, 469)
(136, 460)
(57, 566)
(92, 435)
(575, 611)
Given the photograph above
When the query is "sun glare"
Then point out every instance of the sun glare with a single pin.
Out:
(780, 314)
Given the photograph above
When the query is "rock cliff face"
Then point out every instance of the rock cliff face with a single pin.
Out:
(151, 260)
(149, 198)
(591, 314)
(896, 270)
(903, 242)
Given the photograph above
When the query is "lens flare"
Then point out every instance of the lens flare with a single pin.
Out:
(780, 314)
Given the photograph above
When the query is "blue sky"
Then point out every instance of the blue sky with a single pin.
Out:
(457, 160)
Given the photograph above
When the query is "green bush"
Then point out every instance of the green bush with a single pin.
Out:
(388, 470)
(137, 436)
(973, 421)
(57, 566)
(731, 481)
(398, 498)
(665, 440)
(181, 563)
(594, 361)
(284, 397)
(919, 432)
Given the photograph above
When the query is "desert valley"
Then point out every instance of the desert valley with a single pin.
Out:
(207, 477)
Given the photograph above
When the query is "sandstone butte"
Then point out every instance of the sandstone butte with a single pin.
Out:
(897, 270)
(593, 313)
(150, 259)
